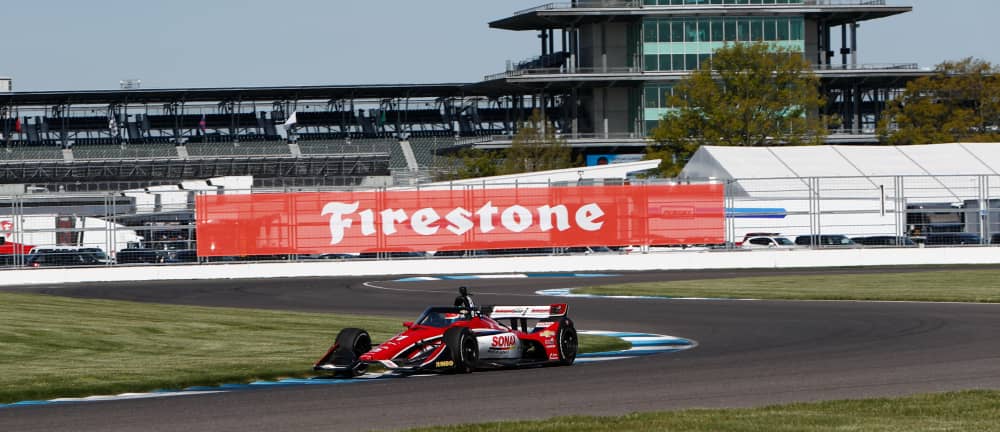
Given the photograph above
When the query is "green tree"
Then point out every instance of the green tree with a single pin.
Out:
(748, 95)
(535, 147)
(473, 163)
(959, 103)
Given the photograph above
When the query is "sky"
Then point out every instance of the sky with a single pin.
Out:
(58, 45)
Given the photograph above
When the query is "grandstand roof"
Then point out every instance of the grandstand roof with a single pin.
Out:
(561, 15)
(245, 94)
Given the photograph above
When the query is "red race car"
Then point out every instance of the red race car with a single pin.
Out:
(460, 338)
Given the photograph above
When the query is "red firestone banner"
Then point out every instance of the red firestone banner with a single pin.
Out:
(459, 219)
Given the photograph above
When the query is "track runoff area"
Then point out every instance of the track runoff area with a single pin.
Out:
(642, 344)
(748, 354)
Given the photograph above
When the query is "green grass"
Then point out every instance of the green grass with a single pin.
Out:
(61, 347)
(976, 286)
(967, 411)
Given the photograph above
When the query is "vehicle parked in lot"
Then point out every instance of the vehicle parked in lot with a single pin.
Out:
(768, 242)
(66, 257)
(391, 255)
(825, 240)
(460, 253)
(137, 256)
(898, 241)
(460, 338)
(940, 239)
(586, 250)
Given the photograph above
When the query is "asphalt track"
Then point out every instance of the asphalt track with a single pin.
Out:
(749, 354)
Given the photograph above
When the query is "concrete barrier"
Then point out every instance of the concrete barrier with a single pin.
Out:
(687, 260)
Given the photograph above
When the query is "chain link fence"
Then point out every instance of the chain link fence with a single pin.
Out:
(157, 227)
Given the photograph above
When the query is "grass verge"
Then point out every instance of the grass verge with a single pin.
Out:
(975, 286)
(61, 347)
(965, 411)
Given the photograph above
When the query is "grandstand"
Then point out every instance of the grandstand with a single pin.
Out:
(94, 137)
(599, 87)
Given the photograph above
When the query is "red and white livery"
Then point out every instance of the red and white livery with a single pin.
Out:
(461, 338)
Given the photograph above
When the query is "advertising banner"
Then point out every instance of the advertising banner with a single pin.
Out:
(459, 219)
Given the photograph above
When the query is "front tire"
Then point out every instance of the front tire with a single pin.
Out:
(567, 342)
(351, 344)
(464, 348)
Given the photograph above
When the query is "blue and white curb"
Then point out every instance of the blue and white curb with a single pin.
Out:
(568, 292)
(643, 344)
(503, 276)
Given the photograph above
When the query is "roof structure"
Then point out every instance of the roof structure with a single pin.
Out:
(558, 15)
(925, 173)
(245, 94)
(580, 175)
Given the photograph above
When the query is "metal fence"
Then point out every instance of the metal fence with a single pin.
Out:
(158, 228)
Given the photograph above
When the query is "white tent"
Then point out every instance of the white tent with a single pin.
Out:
(582, 175)
(922, 173)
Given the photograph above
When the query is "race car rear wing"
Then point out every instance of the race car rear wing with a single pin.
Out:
(529, 312)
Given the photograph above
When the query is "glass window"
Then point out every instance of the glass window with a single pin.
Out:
(664, 31)
(677, 32)
(797, 30)
(649, 31)
(652, 97)
(717, 31)
(770, 30)
(730, 30)
(756, 29)
(743, 30)
(664, 62)
(651, 63)
(782, 29)
(678, 62)
(691, 31)
(691, 62)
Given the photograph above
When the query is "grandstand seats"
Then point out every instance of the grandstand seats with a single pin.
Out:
(140, 151)
(339, 147)
(424, 150)
(245, 135)
(249, 148)
(323, 136)
(193, 121)
(109, 174)
(31, 153)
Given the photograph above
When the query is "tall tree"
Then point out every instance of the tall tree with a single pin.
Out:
(471, 163)
(535, 147)
(960, 102)
(748, 95)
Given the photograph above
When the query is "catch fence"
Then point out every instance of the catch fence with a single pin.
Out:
(141, 227)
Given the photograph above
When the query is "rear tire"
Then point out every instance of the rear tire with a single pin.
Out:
(464, 348)
(567, 342)
(351, 344)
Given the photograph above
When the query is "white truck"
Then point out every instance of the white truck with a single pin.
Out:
(50, 230)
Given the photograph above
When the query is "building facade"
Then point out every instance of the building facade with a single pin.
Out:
(616, 61)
